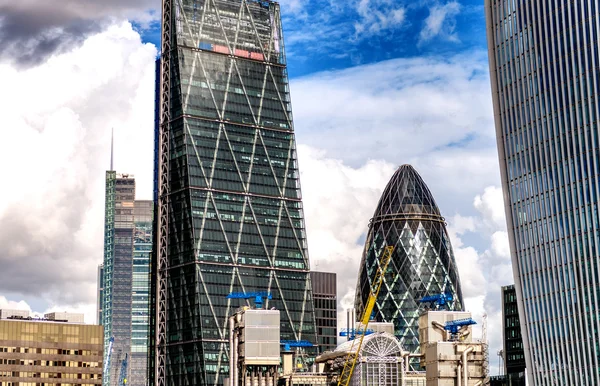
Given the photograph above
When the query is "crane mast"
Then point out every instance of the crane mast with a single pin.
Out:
(353, 353)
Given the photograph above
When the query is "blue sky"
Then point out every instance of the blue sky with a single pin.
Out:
(323, 35)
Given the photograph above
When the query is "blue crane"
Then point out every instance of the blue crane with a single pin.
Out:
(288, 344)
(258, 297)
(351, 333)
(123, 374)
(454, 325)
(438, 300)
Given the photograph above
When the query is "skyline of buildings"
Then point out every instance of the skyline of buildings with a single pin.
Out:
(229, 212)
(125, 278)
(543, 60)
(422, 264)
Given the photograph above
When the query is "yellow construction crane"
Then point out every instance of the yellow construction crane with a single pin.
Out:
(353, 354)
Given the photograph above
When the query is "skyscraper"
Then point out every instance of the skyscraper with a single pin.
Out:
(422, 263)
(100, 294)
(125, 275)
(514, 358)
(229, 210)
(544, 75)
(324, 286)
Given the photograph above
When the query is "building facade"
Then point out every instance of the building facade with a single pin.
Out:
(100, 294)
(422, 263)
(125, 278)
(514, 356)
(42, 352)
(543, 69)
(324, 285)
(229, 212)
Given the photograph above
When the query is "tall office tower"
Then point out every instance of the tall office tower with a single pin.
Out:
(229, 211)
(422, 264)
(543, 62)
(324, 285)
(100, 294)
(514, 357)
(125, 295)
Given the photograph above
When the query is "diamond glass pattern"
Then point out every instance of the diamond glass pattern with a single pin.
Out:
(422, 264)
(236, 221)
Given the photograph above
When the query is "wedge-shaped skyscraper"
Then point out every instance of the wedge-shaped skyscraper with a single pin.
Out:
(230, 216)
(422, 264)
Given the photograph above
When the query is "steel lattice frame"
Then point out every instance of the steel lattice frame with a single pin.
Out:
(163, 197)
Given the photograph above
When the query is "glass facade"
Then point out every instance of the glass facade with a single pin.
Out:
(324, 286)
(514, 357)
(544, 75)
(125, 275)
(422, 263)
(235, 217)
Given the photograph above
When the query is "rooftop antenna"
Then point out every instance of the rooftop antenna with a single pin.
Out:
(112, 142)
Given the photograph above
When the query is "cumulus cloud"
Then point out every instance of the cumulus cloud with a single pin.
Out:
(484, 271)
(377, 16)
(56, 132)
(339, 200)
(401, 107)
(441, 22)
(33, 30)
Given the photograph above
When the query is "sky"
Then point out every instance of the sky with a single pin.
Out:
(374, 84)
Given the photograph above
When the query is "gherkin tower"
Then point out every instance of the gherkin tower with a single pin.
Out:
(229, 208)
(422, 263)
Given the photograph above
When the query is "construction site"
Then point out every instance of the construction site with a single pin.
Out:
(372, 355)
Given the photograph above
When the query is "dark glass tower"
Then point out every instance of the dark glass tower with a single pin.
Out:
(544, 58)
(324, 286)
(514, 357)
(230, 216)
(422, 264)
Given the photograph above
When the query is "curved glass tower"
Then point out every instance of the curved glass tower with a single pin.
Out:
(422, 264)
(544, 74)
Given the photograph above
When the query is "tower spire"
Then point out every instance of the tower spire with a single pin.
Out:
(112, 142)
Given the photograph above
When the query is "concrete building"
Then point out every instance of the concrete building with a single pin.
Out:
(324, 286)
(543, 60)
(43, 352)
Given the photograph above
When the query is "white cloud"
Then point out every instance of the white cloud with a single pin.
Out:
(6, 304)
(441, 22)
(377, 16)
(57, 120)
(491, 206)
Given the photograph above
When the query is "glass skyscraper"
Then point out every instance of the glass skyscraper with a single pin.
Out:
(229, 207)
(324, 285)
(125, 278)
(544, 75)
(422, 264)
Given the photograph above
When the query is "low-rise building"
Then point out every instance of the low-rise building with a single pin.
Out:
(43, 352)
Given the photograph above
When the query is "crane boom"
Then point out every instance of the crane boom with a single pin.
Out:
(108, 355)
(353, 354)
